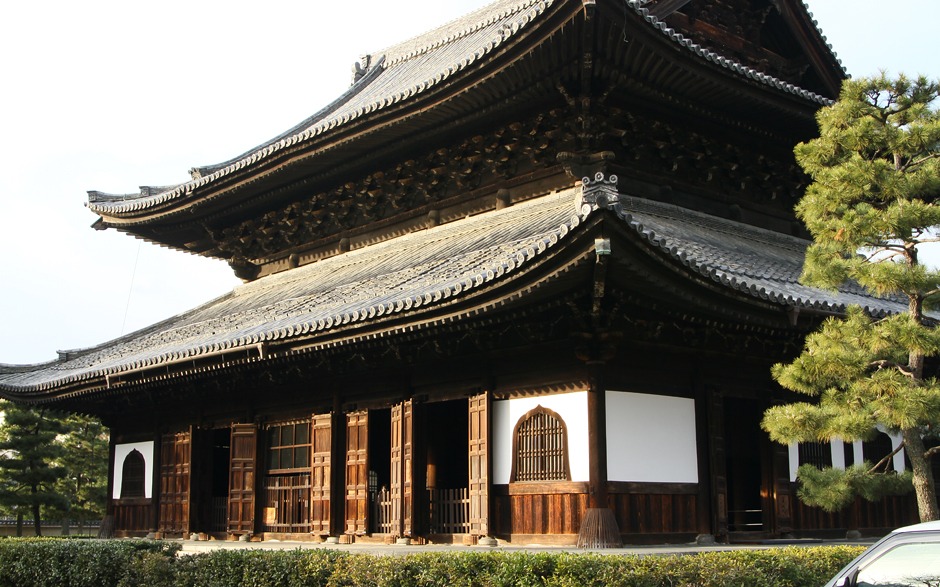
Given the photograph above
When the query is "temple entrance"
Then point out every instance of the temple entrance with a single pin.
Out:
(748, 467)
(381, 517)
(219, 478)
(448, 468)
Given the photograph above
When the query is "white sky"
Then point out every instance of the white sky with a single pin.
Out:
(109, 95)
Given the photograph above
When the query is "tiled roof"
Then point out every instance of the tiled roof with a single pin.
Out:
(404, 71)
(435, 266)
(399, 73)
(762, 263)
(414, 270)
(732, 65)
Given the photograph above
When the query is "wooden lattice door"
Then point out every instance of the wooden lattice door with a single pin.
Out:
(242, 469)
(357, 473)
(321, 441)
(478, 458)
(175, 482)
(406, 469)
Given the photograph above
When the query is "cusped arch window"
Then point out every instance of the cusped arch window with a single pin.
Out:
(133, 475)
(540, 447)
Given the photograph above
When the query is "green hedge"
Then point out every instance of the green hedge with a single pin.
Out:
(131, 563)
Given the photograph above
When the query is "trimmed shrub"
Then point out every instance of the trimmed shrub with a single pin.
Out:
(40, 562)
(129, 563)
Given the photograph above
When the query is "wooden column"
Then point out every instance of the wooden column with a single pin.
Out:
(703, 501)
(155, 495)
(337, 472)
(599, 527)
(718, 472)
(597, 436)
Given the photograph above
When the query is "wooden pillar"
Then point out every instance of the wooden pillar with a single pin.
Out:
(157, 466)
(337, 473)
(718, 473)
(597, 436)
(599, 527)
(703, 501)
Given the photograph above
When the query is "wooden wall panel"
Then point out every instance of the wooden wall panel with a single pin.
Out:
(890, 512)
(540, 509)
(645, 513)
(133, 516)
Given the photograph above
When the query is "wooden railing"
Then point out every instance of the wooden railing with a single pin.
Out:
(382, 511)
(450, 510)
(219, 514)
(289, 495)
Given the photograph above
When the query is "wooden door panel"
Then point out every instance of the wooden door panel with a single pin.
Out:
(175, 482)
(321, 449)
(478, 438)
(357, 473)
(242, 468)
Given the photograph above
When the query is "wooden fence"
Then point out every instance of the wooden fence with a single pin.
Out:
(450, 511)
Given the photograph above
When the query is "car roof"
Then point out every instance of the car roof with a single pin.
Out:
(923, 527)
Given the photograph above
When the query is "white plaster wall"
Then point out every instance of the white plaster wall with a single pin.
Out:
(651, 438)
(120, 453)
(572, 407)
(837, 448)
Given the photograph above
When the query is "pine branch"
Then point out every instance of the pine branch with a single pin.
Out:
(886, 364)
(886, 460)
(915, 162)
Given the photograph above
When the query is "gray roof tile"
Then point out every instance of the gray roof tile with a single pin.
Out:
(403, 71)
(436, 265)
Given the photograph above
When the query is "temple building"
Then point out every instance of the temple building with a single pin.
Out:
(524, 280)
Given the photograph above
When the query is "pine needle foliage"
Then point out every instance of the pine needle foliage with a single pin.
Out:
(872, 209)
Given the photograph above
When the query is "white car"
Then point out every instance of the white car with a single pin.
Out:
(907, 557)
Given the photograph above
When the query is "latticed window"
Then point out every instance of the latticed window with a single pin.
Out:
(540, 447)
(133, 475)
(816, 453)
(289, 446)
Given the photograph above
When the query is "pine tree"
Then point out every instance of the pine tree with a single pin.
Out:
(84, 461)
(28, 460)
(871, 208)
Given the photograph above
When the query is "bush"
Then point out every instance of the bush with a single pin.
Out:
(127, 563)
(40, 562)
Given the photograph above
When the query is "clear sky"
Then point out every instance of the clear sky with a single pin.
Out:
(109, 95)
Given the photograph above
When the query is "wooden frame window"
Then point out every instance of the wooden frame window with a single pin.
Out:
(818, 454)
(540, 447)
(288, 446)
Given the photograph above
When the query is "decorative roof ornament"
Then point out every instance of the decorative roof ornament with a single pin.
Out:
(360, 68)
(598, 193)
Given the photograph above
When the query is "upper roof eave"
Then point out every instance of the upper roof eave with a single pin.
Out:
(512, 16)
